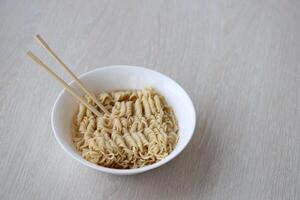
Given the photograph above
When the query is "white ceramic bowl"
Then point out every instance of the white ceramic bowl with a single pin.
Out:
(117, 78)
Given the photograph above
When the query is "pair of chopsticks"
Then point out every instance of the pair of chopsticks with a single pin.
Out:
(61, 81)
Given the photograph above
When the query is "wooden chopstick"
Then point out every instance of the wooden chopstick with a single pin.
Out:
(44, 44)
(67, 87)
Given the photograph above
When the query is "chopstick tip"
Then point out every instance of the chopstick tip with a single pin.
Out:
(33, 57)
(37, 36)
(29, 53)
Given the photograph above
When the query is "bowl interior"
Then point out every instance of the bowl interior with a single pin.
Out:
(118, 78)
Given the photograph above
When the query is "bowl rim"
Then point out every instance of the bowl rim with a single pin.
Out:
(122, 171)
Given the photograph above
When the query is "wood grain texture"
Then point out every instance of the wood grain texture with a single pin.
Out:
(238, 60)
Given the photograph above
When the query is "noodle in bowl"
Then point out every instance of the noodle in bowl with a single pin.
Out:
(116, 78)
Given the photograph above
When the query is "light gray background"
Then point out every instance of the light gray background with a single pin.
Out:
(238, 60)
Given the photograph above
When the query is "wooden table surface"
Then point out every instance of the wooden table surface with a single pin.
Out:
(238, 60)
